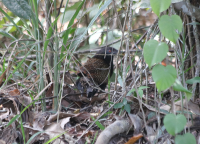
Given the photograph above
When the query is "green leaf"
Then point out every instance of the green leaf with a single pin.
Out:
(67, 16)
(151, 115)
(112, 79)
(140, 92)
(10, 27)
(174, 124)
(129, 93)
(106, 114)
(118, 105)
(19, 8)
(120, 80)
(22, 130)
(95, 137)
(75, 6)
(7, 34)
(127, 107)
(13, 119)
(80, 31)
(193, 23)
(33, 136)
(124, 101)
(10, 19)
(98, 123)
(193, 80)
(54, 138)
(187, 138)
(143, 87)
(154, 52)
(178, 87)
(159, 6)
(168, 26)
(164, 77)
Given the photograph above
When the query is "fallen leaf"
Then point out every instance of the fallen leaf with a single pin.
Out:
(134, 139)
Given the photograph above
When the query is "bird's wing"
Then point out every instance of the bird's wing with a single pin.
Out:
(92, 66)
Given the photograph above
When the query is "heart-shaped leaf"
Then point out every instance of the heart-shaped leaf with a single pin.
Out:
(187, 138)
(154, 52)
(174, 124)
(159, 6)
(168, 26)
(164, 77)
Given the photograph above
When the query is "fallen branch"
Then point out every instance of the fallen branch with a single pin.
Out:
(117, 127)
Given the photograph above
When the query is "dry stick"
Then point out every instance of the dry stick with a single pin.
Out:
(195, 33)
(190, 43)
(172, 100)
(176, 64)
(133, 76)
(183, 79)
(42, 91)
(62, 84)
(9, 63)
(107, 32)
(121, 43)
(16, 41)
(140, 103)
(134, 47)
(125, 60)
(127, 48)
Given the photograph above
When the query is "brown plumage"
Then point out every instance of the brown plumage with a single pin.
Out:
(95, 72)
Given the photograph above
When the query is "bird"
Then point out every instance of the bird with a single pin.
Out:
(95, 72)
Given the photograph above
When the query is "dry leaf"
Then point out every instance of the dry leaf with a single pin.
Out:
(134, 139)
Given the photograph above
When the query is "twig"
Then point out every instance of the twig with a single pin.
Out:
(195, 33)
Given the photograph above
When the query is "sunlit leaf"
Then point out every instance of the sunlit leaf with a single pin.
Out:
(154, 52)
(164, 77)
(169, 25)
(159, 6)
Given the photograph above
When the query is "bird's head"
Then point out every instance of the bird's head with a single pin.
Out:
(106, 53)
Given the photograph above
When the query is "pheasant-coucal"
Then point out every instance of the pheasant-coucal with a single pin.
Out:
(95, 72)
